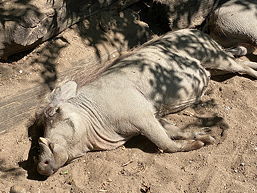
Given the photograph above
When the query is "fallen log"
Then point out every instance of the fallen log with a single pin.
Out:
(24, 25)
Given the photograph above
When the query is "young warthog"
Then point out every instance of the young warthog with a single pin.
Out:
(131, 97)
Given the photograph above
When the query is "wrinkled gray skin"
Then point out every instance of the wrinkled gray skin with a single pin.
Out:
(131, 97)
(234, 26)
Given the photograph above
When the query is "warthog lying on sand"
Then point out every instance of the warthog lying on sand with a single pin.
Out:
(131, 97)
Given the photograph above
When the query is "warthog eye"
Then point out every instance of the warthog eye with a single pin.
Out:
(58, 110)
(69, 122)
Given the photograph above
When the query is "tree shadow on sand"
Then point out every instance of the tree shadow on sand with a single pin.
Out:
(7, 172)
(35, 130)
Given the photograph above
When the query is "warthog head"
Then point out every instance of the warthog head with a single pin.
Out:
(58, 128)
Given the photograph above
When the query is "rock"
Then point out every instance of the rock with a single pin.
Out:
(17, 189)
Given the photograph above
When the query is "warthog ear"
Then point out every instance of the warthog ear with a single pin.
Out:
(60, 94)
(64, 92)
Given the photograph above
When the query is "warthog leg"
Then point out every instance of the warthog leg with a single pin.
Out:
(175, 133)
(241, 50)
(150, 127)
(237, 51)
(242, 68)
(252, 65)
(235, 66)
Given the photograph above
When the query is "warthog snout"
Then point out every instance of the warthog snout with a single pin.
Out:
(51, 158)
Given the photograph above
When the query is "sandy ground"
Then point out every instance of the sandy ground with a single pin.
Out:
(229, 108)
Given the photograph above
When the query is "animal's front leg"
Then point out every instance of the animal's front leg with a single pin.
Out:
(176, 133)
(150, 127)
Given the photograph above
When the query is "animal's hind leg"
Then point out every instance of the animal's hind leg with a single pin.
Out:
(250, 64)
(242, 68)
(175, 133)
(241, 50)
(237, 51)
(150, 127)
(230, 65)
